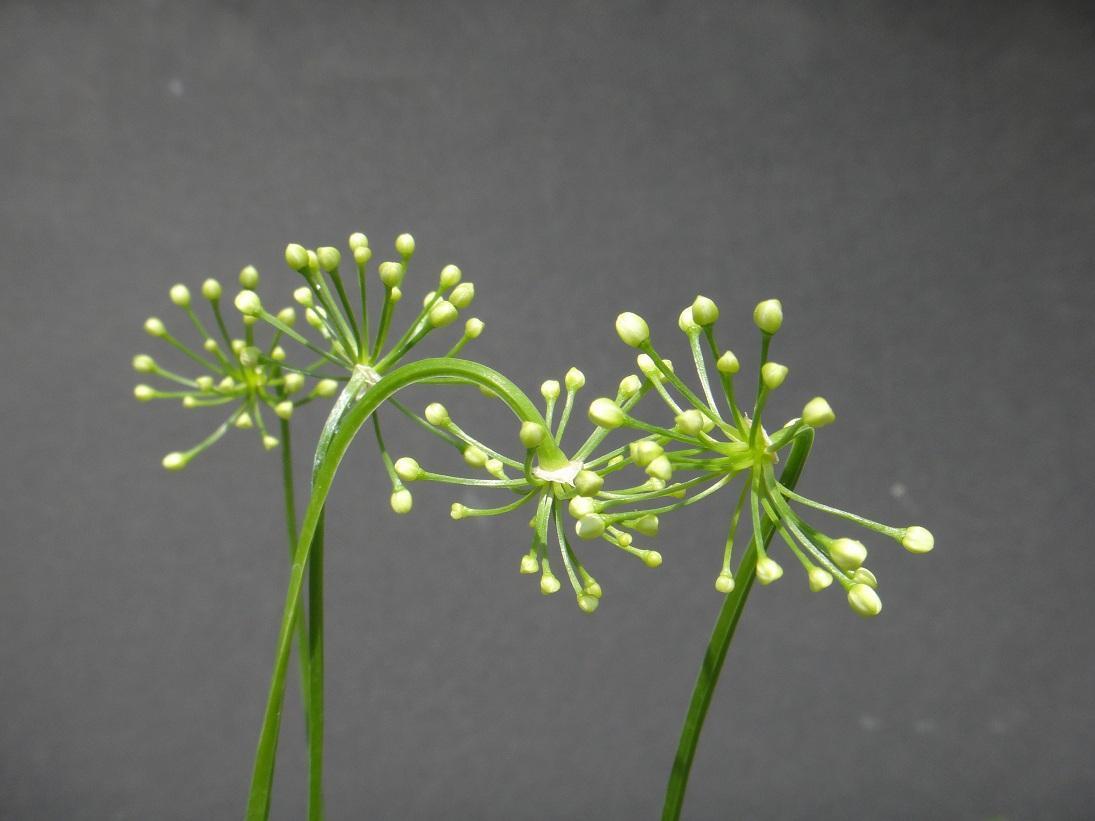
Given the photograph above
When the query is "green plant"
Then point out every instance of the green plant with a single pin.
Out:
(696, 445)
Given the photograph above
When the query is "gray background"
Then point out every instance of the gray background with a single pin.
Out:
(916, 181)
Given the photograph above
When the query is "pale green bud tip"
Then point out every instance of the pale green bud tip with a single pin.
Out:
(817, 413)
(284, 410)
(645, 451)
(326, 387)
(549, 585)
(529, 565)
(328, 258)
(917, 539)
(630, 385)
(550, 389)
(358, 240)
(437, 414)
(652, 558)
(819, 579)
(204, 383)
(865, 576)
(773, 374)
(296, 256)
(391, 274)
(575, 380)
(211, 289)
(404, 245)
(473, 328)
(402, 501)
(249, 277)
(587, 603)
(142, 363)
(313, 261)
(362, 254)
(475, 457)
(462, 295)
(864, 600)
(457, 511)
(768, 570)
(690, 422)
(728, 363)
(180, 295)
(847, 554)
(650, 368)
(287, 316)
(660, 468)
(269, 442)
(588, 483)
(687, 323)
(244, 421)
(647, 525)
(580, 506)
(450, 276)
(248, 303)
(705, 311)
(293, 382)
(604, 413)
(590, 526)
(442, 314)
(632, 329)
(144, 393)
(154, 327)
(175, 461)
(594, 589)
(407, 469)
(303, 296)
(768, 315)
(725, 582)
(532, 434)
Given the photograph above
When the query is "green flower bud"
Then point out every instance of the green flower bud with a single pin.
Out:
(144, 393)
(436, 414)
(328, 258)
(237, 346)
(645, 451)
(768, 315)
(705, 311)
(532, 433)
(303, 297)
(249, 278)
(550, 389)
(819, 579)
(473, 327)
(248, 303)
(773, 374)
(395, 294)
(918, 539)
(293, 382)
(244, 421)
(326, 387)
(580, 506)
(407, 469)
(632, 329)
(529, 565)
(154, 327)
(204, 383)
(687, 323)
(651, 558)
(623, 539)
(457, 511)
(450, 277)
(864, 600)
(650, 369)
(549, 584)
(647, 525)
(590, 526)
(630, 385)
(249, 357)
(768, 570)
(575, 380)
(474, 456)
(211, 290)
(402, 501)
(358, 240)
(362, 255)
(462, 295)
(495, 468)
(660, 468)
(313, 262)
(690, 422)
(287, 316)
(269, 442)
(725, 582)
(587, 603)
(210, 345)
(817, 413)
(864, 576)
(728, 363)
(847, 554)
(588, 483)
(442, 314)
(604, 413)
(142, 363)
(428, 298)
(180, 295)
(593, 589)
(175, 461)
(284, 410)
(391, 273)
(404, 245)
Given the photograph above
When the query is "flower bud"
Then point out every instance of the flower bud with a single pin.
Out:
(587, 603)
(175, 461)
(249, 356)
(296, 257)
(575, 380)
(475, 457)
(649, 367)
(326, 387)
(402, 501)
(293, 382)
(313, 262)
(590, 526)
(395, 294)
(358, 240)
(864, 600)
(450, 277)
(473, 328)
(647, 525)
(532, 434)
(549, 584)
(588, 483)
(204, 383)
(651, 558)
(248, 303)
(144, 393)
(580, 506)
(303, 297)
(818, 579)
(362, 255)
(768, 570)
(864, 576)
(269, 442)
(917, 539)
(237, 346)
(457, 511)
(404, 245)
(645, 451)
(630, 385)
(154, 327)
(495, 468)
(690, 422)
(604, 413)
(847, 554)
(180, 295)
(462, 295)
(632, 329)
(550, 389)
(768, 315)
(442, 314)
(705, 311)
(244, 421)
(211, 290)
(725, 582)
(407, 469)
(328, 258)
(284, 410)
(142, 363)
(817, 413)
(391, 273)
(687, 323)
(728, 363)
(436, 414)
(529, 565)
(773, 374)
(660, 468)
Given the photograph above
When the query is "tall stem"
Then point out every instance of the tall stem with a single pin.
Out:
(719, 644)
(315, 643)
(291, 528)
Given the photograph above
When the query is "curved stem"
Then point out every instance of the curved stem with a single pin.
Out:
(719, 644)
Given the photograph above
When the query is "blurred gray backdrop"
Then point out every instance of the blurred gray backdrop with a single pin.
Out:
(915, 181)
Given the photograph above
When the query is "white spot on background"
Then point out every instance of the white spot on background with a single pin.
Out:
(898, 490)
(175, 87)
(869, 723)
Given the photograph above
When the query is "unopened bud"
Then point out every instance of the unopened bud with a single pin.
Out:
(154, 327)
(473, 328)
(462, 295)
(550, 389)
(404, 245)
(175, 461)
(768, 570)
(725, 582)
(249, 278)
(690, 422)
(391, 273)
(605, 413)
(768, 315)
(817, 413)
(142, 363)
(475, 457)
(819, 579)
(248, 303)
(436, 414)
(728, 363)
(180, 295)
(847, 554)
(632, 329)
(705, 311)
(328, 258)
(574, 380)
(442, 314)
(450, 277)
(590, 526)
(284, 410)
(402, 501)
(326, 387)
(211, 290)
(864, 600)
(588, 483)
(918, 539)
(773, 374)
(529, 565)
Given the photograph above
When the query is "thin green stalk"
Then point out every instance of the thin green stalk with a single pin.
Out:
(719, 644)
(291, 529)
(315, 669)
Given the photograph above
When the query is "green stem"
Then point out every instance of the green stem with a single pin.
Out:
(719, 644)
(315, 669)
(291, 529)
